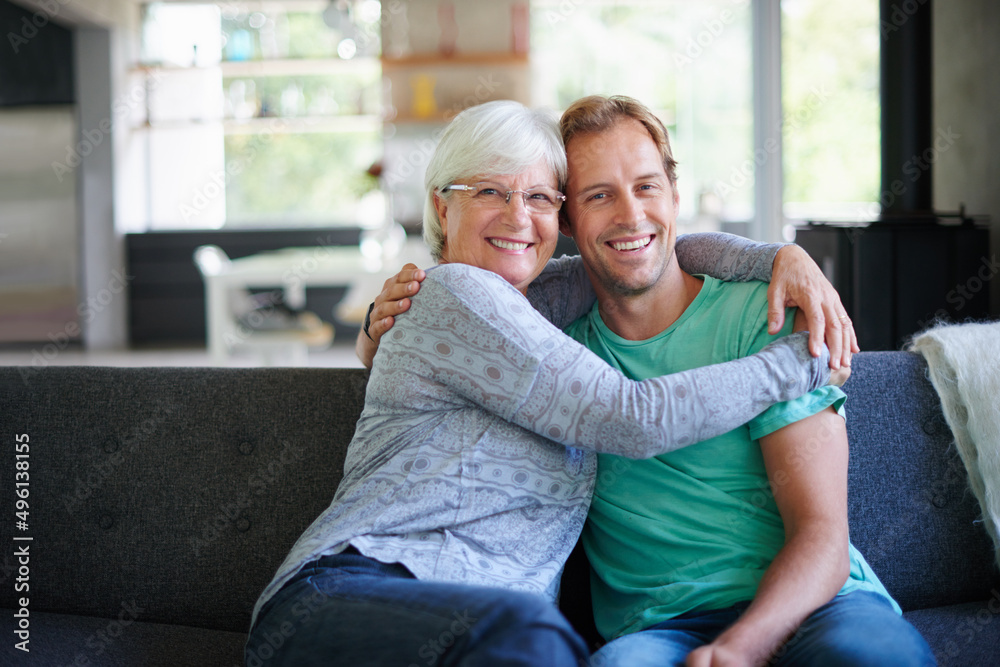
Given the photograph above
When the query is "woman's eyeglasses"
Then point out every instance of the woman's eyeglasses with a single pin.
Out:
(495, 196)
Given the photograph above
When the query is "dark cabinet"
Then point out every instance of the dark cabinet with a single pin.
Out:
(896, 278)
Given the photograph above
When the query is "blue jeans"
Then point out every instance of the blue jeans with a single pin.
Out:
(351, 610)
(852, 630)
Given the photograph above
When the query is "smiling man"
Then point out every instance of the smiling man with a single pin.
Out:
(692, 564)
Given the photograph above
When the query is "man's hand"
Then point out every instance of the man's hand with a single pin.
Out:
(393, 300)
(797, 281)
(806, 464)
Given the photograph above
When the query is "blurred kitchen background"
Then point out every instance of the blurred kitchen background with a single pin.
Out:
(133, 133)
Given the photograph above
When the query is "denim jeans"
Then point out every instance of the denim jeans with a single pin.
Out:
(852, 630)
(351, 610)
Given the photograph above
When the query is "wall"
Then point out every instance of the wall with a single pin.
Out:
(103, 277)
(966, 99)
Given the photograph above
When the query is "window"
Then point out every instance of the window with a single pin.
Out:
(259, 115)
(693, 64)
(830, 82)
(689, 62)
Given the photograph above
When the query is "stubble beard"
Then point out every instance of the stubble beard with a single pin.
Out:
(619, 285)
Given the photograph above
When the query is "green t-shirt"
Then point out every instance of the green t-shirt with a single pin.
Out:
(696, 528)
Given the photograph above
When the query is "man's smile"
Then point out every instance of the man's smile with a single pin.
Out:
(631, 244)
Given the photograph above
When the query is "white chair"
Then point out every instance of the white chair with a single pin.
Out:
(263, 323)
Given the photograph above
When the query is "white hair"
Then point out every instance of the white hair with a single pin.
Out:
(501, 137)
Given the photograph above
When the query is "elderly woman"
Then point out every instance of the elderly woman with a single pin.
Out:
(469, 476)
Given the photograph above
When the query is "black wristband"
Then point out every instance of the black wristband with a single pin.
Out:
(368, 321)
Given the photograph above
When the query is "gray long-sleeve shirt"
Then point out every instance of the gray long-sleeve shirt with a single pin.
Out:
(473, 460)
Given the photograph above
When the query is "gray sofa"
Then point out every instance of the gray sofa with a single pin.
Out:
(161, 501)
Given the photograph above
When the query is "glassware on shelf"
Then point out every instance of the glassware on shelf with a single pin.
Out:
(424, 105)
(240, 45)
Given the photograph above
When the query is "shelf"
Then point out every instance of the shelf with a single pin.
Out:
(277, 124)
(251, 68)
(304, 125)
(438, 118)
(278, 67)
(457, 59)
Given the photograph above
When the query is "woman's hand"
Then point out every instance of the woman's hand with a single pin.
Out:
(393, 300)
(838, 376)
(797, 281)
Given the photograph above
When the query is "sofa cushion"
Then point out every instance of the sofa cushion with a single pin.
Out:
(909, 507)
(58, 639)
(962, 634)
(176, 490)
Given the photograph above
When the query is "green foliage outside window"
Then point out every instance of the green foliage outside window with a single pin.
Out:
(691, 62)
(299, 179)
(830, 81)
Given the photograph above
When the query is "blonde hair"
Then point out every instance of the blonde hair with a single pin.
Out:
(597, 113)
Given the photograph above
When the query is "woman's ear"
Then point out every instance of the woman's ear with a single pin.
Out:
(441, 206)
(564, 225)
